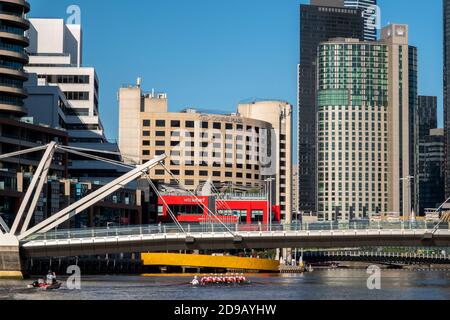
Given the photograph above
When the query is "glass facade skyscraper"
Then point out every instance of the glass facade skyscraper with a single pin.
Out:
(364, 126)
(427, 114)
(317, 23)
(352, 129)
(446, 11)
(371, 16)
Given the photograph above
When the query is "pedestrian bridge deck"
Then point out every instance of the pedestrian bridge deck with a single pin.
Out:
(211, 237)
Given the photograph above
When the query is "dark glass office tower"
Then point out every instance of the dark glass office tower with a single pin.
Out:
(317, 24)
(413, 123)
(431, 173)
(427, 113)
(446, 5)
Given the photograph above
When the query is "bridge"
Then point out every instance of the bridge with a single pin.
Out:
(217, 237)
(41, 240)
(389, 258)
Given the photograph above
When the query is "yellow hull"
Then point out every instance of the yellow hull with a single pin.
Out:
(11, 275)
(206, 261)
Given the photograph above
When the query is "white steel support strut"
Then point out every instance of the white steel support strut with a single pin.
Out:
(91, 199)
(31, 189)
(37, 194)
(18, 153)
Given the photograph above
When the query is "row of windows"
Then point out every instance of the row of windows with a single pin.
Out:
(77, 95)
(203, 125)
(205, 173)
(204, 145)
(204, 135)
(80, 79)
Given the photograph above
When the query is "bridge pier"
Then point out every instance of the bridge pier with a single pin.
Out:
(11, 266)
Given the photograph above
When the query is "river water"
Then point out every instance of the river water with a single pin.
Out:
(322, 284)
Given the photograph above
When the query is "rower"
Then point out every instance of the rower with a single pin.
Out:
(51, 277)
(195, 282)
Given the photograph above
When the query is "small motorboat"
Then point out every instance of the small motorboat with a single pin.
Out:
(42, 285)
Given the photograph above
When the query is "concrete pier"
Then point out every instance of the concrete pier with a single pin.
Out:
(10, 261)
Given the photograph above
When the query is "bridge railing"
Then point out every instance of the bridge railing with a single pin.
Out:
(238, 228)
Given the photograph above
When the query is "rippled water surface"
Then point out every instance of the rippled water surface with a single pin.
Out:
(326, 284)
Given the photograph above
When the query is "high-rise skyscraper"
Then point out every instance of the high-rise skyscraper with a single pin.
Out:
(319, 21)
(371, 16)
(446, 10)
(431, 171)
(13, 57)
(413, 123)
(363, 129)
(427, 115)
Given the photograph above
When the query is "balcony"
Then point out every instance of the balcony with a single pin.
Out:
(20, 56)
(17, 19)
(19, 110)
(13, 73)
(15, 37)
(22, 3)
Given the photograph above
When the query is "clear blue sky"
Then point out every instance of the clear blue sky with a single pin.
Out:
(211, 54)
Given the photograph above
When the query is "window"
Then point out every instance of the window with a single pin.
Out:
(146, 133)
(146, 143)
(216, 174)
(229, 126)
(257, 215)
(160, 143)
(205, 125)
(77, 95)
(146, 152)
(217, 125)
(160, 133)
(175, 123)
(146, 123)
(159, 152)
(203, 173)
(229, 174)
(189, 172)
(160, 172)
(160, 123)
(190, 124)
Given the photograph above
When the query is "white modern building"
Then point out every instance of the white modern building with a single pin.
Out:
(55, 52)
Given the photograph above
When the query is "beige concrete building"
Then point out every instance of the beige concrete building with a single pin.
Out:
(395, 36)
(295, 191)
(279, 115)
(233, 149)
